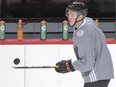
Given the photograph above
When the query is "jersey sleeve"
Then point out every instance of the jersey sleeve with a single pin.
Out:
(84, 47)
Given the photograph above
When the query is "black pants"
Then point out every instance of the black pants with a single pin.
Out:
(100, 83)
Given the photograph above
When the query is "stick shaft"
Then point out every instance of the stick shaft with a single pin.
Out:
(34, 67)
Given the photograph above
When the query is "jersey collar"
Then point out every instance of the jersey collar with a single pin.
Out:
(84, 21)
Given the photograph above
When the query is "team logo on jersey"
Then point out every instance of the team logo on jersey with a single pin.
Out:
(89, 22)
(80, 33)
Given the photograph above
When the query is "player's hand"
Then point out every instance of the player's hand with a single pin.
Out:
(64, 66)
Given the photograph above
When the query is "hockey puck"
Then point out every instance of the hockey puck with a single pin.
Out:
(16, 61)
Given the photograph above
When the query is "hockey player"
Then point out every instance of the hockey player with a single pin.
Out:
(93, 56)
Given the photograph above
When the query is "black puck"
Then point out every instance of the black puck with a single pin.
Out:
(16, 61)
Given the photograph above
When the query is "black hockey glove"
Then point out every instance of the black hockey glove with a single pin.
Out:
(64, 66)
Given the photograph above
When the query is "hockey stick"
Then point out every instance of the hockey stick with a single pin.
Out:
(34, 67)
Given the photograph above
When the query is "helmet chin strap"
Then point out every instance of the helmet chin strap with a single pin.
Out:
(78, 20)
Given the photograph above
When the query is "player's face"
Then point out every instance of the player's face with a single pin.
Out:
(72, 15)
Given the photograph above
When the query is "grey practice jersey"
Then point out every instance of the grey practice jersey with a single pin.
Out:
(93, 57)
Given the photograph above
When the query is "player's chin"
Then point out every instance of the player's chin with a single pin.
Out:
(71, 24)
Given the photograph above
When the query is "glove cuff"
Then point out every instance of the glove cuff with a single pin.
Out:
(69, 66)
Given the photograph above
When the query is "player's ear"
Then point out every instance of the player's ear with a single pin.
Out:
(79, 17)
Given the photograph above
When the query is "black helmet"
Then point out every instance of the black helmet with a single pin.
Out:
(79, 7)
